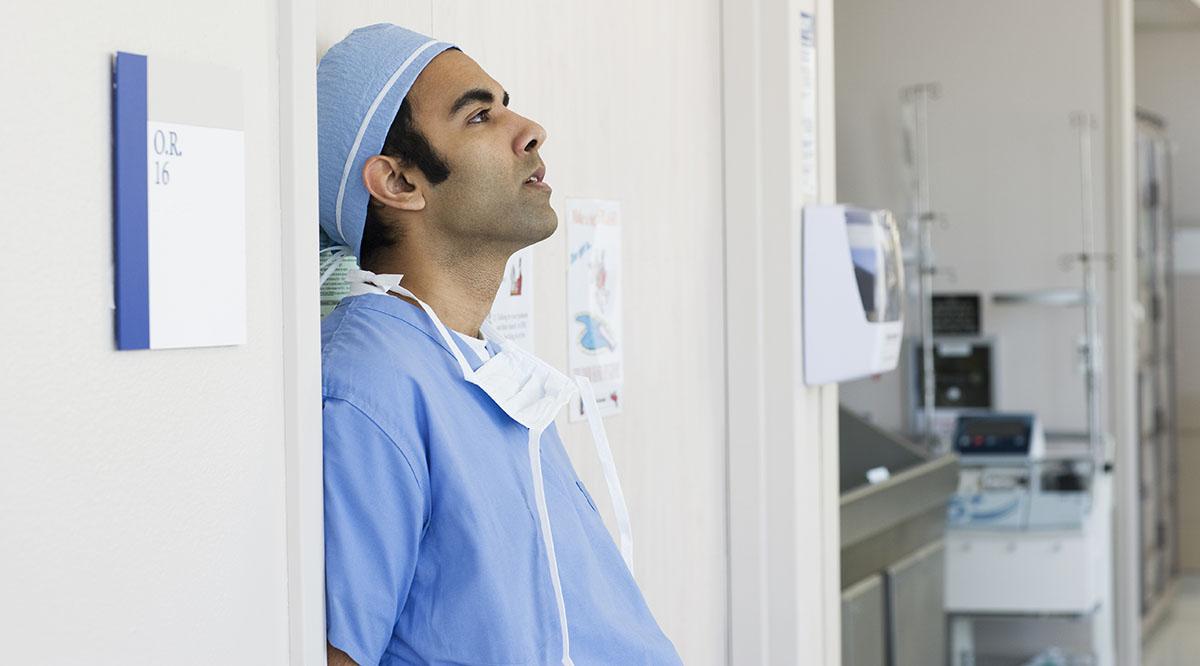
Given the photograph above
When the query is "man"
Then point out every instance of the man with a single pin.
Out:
(456, 530)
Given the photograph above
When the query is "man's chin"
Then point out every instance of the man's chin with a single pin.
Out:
(533, 227)
(542, 226)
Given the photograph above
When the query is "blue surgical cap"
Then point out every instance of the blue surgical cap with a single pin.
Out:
(361, 82)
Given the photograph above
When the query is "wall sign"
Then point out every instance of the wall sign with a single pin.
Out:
(808, 107)
(512, 311)
(179, 199)
(594, 301)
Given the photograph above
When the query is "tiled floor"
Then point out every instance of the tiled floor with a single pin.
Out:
(1176, 642)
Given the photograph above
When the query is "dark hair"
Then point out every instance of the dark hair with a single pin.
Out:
(407, 144)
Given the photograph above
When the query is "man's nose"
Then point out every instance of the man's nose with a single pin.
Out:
(530, 137)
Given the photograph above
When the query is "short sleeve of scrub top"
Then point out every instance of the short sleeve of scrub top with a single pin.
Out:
(376, 507)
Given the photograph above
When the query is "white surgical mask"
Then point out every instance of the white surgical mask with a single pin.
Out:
(532, 392)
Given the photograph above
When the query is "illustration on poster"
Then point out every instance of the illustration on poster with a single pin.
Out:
(596, 334)
(594, 298)
(613, 399)
(516, 277)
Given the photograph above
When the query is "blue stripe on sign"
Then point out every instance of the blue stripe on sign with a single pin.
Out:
(130, 202)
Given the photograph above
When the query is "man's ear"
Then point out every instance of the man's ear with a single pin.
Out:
(393, 184)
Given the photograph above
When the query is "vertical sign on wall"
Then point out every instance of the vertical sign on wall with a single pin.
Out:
(594, 300)
(512, 311)
(808, 107)
(179, 199)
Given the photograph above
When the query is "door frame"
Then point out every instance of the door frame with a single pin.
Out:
(296, 39)
(782, 456)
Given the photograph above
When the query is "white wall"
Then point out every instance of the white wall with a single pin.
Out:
(1167, 85)
(141, 493)
(630, 95)
(1003, 168)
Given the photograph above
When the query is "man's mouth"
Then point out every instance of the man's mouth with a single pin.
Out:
(537, 179)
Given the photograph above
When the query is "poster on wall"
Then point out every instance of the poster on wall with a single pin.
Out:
(179, 195)
(594, 300)
(512, 311)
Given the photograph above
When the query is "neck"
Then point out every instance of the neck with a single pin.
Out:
(459, 287)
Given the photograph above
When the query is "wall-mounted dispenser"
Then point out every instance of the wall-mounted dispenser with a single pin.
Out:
(853, 293)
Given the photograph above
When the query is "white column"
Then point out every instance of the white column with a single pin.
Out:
(1122, 330)
(783, 467)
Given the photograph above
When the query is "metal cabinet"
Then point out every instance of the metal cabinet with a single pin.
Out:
(892, 548)
(863, 629)
(897, 618)
(916, 614)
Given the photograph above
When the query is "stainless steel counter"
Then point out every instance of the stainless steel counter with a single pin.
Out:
(891, 537)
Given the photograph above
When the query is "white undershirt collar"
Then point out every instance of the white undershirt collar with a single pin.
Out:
(479, 346)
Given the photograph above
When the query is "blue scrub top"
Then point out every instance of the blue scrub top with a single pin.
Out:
(432, 548)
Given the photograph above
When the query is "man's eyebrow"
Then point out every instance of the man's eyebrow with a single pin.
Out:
(475, 95)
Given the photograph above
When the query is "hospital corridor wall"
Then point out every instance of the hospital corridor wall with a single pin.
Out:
(142, 495)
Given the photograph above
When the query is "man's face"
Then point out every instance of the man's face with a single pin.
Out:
(492, 152)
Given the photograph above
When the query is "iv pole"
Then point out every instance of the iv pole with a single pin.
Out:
(1084, 124)
(915, 111)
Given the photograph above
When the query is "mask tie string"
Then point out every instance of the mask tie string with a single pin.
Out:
(539, 493)
(604, 453)
(390, 282)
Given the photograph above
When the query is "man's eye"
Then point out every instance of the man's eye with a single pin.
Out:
(480, 117)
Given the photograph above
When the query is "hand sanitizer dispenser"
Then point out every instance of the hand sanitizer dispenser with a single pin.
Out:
(853, 293)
